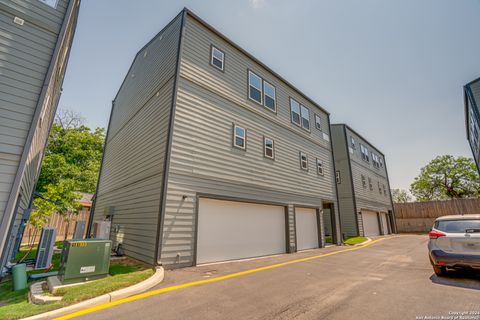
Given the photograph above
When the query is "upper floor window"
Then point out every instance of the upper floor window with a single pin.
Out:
(295, 111)
(268, 148)
(352, 142)
(379, 188)
(381, 162)
(364, 182)
(254, 87)
(305, 113)
(364, 151)
(239, 137)
(319, 167)
(370, 184)
(384, 191)
(337, 177)
(375, 161)
(51, 3)
(269, 97)
(318, 122)
(303, 161)
(217, 58)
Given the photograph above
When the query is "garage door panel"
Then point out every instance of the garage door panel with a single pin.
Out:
(370, 224)
(230, 230)
(383, 215)
(307, 228)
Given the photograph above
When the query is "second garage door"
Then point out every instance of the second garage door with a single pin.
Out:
(307, 228)
(370, 223)
(230, 230)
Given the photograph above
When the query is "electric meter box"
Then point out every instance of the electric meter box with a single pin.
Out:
(84, 260)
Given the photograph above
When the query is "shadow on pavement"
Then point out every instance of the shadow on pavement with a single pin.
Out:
(468, 279)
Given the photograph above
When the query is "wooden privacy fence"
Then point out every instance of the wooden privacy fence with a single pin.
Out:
(60, 223)
(420, 216)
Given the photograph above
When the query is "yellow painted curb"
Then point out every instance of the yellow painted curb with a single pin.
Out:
(196, 283)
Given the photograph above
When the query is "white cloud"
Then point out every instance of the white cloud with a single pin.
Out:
(257, 3)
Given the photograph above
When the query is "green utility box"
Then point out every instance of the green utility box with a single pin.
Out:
(84, 260)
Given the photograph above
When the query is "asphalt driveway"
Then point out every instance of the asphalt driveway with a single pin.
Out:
(390, 279)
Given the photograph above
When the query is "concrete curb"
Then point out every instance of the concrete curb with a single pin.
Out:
(106, 298)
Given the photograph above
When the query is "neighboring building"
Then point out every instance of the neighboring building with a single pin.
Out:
(212, 156)
(35, 41)
(365, 202)
(472, 117)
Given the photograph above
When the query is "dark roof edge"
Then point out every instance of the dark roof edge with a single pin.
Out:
(358, 134)
(472, 82)
(218, 33)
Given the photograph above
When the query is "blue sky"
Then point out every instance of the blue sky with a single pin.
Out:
(392, 70)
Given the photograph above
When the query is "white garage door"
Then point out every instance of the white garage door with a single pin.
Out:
(384, 216)
(370, 224)
(234, 230)
(307, 228)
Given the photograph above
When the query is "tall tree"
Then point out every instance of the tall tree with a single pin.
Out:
(401, 196)
(447, 177)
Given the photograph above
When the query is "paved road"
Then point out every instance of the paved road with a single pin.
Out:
(391, 279)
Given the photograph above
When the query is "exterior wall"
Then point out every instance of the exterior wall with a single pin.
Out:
(131, 178)
(203, 161)
(364, 198)
(472, 117)
(346, 200)
(33, 59)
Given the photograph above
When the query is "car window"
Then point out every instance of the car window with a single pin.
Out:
(457, 226)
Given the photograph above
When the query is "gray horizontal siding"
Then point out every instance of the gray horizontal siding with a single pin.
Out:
(131, 178)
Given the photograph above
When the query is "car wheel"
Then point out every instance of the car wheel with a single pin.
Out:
(440, 271)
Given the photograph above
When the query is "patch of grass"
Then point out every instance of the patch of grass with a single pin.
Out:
(124, 273)
(33, 253)
(355, 240)
(328, 239)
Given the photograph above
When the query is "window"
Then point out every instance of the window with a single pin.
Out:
(370, 185)
(303, 161)
(254, 87)
(217, 58)
(384, 191)
(269, 96)
(337, 177)
(381, 162)
(51, 3)
(352, 142)
(239, 137)
(318, 122)
(305, 112)
(319, 167)
(295, 111)
(364, 151)
(379, 188)
(268, 148)
(375, 161)
(364, 182)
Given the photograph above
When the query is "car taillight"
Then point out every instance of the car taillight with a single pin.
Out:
(435, 234)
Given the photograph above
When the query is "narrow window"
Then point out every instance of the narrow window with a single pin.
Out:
(352, 142)
(364, 182)
(319, 167)
(305, 112)
(370, 185)
(268, 148)
(295, 111)
(318, 122)
(254, 87)
(384, 191)
(381, 162)
(337, 177)
(379, 188)
(303, 161)
(239, 137)
(364, 151)
(269, 96)
(217, 58)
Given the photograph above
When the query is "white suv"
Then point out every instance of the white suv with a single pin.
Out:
(455, 243)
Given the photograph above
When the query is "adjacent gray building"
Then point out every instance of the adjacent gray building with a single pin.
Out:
(472, 117)
(365, 201)
(212, 156)
(35, 40)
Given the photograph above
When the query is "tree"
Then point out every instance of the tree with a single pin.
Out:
(401, 196)
(70, 165)
(447, 177)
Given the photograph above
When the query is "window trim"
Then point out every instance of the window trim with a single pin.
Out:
(316, 115)
(338, 178)
(301, 153)
(320, 162)
(265, 148)
(364, 182)
(212, 48)
(248, 87)
(301, 118)
(365, 156)
(265, 94)
(299, 124)
(353, 143)
(234, 136)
